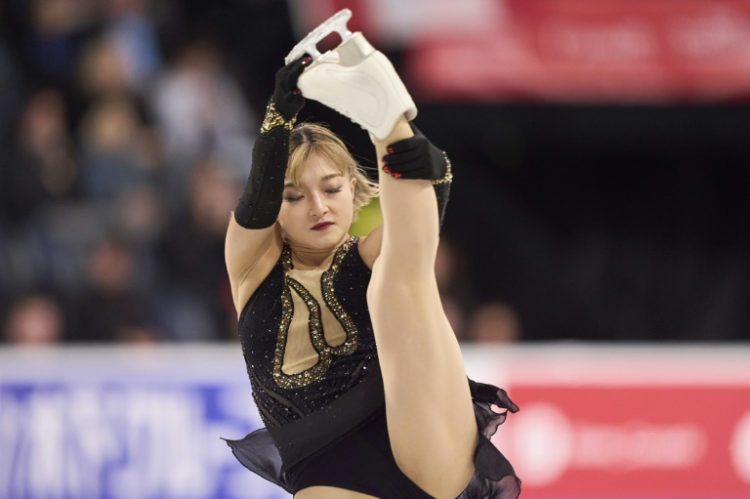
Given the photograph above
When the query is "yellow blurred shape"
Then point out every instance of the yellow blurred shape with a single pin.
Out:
(368, 218)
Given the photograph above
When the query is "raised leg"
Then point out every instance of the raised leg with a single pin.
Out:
(324, 492)
(428, 404)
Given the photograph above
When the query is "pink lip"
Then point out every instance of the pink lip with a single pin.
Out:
(321, 225)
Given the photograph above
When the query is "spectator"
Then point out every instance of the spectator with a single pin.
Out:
(111, 308)
(36, 319)
(134, 36)
(102, 71)
(201, 111)
(58, 30)
(42, 169)
(112, 137)
(495, 322)
(455, 291)
(192, 252)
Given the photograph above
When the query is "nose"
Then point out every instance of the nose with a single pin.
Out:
(318, 207)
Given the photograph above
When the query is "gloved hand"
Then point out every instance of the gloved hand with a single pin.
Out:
(418, 158)
(286, 96)
(415, 158)
(260, 203)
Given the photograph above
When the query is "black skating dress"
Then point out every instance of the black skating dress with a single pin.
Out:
(325, 423)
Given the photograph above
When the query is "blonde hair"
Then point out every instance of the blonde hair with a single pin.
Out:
(312, 138)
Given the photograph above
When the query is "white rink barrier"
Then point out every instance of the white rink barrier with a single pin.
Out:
(596, 421)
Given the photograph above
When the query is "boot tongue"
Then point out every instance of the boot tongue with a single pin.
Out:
(352, 51)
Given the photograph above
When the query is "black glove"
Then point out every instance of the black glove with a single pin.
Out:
(418, 158)
(286, 95)
(415, 158)
(261, 201)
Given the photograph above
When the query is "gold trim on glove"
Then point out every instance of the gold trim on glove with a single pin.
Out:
(448, 177)
(274, 119)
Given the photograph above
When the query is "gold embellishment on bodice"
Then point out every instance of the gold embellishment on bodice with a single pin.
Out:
(315, 323)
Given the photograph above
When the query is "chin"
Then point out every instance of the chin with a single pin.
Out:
(323, 240)
(338, 237)
(329, 237)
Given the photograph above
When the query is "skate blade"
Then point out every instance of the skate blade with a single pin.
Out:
(308, 45)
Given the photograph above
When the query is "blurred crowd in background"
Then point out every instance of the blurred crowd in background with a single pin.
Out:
(605, 200)
(126, 131)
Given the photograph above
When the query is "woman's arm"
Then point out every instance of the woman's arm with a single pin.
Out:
(418, 159)
(253, 241)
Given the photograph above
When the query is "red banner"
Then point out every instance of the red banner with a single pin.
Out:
(561, 50)
(633, 441)
(643, 423)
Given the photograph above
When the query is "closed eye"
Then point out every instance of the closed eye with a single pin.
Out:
(291, 198)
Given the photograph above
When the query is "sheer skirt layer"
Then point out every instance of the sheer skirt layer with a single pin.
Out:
(259, 451)
(494, 477)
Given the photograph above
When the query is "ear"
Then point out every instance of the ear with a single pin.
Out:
(353, 181)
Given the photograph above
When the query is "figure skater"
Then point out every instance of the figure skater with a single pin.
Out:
(354, 367)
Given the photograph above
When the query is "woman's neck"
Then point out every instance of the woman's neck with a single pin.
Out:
(307, 258)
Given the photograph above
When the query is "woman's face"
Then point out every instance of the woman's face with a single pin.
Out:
(317, 213)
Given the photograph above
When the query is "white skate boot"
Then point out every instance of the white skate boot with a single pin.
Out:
(354, 78)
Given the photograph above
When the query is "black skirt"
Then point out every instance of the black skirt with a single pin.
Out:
(346, 445)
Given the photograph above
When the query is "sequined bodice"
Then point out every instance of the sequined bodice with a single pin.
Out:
(272, 316)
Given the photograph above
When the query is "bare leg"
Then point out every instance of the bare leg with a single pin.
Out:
(324, 492)
(428, 404)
